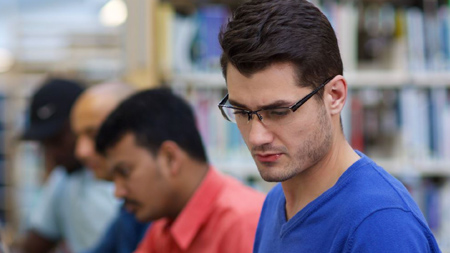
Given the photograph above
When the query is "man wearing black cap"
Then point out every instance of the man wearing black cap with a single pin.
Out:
(49, 122)
(74, 206)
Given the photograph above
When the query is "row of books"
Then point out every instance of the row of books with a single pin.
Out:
(407, 122)
(384, 35)
(379, 34)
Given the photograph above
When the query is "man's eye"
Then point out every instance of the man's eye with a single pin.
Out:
(278, 112)
(239, 112)
(124, 172)
(92, 136)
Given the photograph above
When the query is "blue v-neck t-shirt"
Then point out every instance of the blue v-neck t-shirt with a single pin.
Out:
(367, 210)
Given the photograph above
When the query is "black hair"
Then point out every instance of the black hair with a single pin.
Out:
(153, 116)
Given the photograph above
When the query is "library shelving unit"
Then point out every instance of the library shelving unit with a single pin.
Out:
(397, 65)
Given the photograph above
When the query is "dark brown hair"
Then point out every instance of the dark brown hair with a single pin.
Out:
(264, 32)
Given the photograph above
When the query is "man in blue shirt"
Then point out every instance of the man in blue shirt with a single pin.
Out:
(286, 91)
(89, 112)
(74, 208)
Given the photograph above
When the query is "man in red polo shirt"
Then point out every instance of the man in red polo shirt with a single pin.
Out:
(161, 171)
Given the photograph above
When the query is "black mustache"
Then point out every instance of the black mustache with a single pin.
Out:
(131, 202)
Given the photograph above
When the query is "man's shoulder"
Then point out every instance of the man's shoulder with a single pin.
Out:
(367, 186)
(364, 191)
(392, 229)
(237, 201)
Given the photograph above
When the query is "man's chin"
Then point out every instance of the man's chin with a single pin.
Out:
(270, 175)
(143, 217)
(272, 179)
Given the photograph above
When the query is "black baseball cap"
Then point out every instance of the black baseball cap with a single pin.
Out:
(50, 108)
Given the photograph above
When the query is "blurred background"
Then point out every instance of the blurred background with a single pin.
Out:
(396, 59)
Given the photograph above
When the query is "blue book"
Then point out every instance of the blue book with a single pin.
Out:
(444, 25)
(416, 40)
(210, 21)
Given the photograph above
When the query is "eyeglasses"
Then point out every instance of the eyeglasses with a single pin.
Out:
(270, 116)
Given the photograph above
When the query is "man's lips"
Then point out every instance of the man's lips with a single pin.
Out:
(92, 166)
(268, 157)
(131, 208)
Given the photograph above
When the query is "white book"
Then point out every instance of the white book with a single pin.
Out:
(415, 33)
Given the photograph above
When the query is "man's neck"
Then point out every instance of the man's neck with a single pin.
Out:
(74, 168)
(314, 181)
(193, 175)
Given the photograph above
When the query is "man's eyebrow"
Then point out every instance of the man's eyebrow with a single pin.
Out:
(118, 166)
(237, 104)
(278, 103)
(275, 104)
(90, 130)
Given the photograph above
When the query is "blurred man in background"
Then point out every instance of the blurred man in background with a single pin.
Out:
(89, 111)
(161, 170)
(74, 207)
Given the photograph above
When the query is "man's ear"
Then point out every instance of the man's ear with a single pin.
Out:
(170, 156)
(336, 94)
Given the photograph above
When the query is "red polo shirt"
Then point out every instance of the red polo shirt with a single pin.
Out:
(220, 217)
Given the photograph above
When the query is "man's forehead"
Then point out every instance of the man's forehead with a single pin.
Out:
(118, 155)
(125, 143)
(89, 129)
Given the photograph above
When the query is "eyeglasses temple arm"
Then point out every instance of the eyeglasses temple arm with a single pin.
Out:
(301, 102)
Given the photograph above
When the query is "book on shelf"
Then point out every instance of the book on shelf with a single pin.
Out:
(414, 115)
(444, 31)
(444, 227)
(210, 20)
(344, 20)
(189, 42)
(164, 39)
(357, 131)
(433, 198)
(438, 107)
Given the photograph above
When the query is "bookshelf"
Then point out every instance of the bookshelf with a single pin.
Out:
(397, 64)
